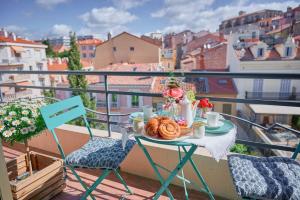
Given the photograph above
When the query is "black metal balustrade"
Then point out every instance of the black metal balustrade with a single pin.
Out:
(106, 91)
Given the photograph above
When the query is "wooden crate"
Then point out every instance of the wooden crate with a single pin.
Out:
(46, 181)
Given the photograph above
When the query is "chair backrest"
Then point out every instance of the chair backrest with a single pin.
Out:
(62, 112)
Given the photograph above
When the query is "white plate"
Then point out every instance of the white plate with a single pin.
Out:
(164, 140)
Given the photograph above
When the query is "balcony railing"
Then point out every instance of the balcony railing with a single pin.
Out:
(11, 61)
(106, 91)
(272, 95)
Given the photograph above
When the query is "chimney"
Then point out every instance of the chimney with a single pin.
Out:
(12, 36)
(3, 32)
(242, 12)
(108, 36)
(201, 59)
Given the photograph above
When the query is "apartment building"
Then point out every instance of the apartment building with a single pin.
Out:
(58, 41)
(244, 19)
(260, 57)
(21, 54)
(125, 48)
(87, 48)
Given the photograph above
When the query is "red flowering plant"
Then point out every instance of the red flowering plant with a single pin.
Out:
(205, 105)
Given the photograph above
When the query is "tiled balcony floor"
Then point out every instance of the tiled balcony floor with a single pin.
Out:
(111, 188)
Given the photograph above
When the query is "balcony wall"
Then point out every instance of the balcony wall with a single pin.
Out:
(215, 173)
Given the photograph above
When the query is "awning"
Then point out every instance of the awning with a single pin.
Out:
(277, 110)
(24, 83)
(18, 49)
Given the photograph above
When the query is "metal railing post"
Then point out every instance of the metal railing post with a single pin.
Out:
(107, 105)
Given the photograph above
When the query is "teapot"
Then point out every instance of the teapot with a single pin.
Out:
(188, 110)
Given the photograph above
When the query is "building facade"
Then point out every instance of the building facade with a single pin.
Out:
(60, 41)
(87, 48)
(126, 48)
(20, 54)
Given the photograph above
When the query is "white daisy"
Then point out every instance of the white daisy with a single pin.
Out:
(2, 112)
(8, 118)
(1, 127)
(25, 119)
(31, 128)
(29, 121)
(7, 134)
(25, 112)
(24, 131)
(16, 123)
(12, 113)
(12, 130)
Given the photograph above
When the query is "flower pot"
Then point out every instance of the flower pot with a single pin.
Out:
(46, 181)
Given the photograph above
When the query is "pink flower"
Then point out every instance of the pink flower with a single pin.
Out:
(175, 93)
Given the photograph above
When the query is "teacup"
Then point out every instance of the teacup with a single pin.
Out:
(212, 119)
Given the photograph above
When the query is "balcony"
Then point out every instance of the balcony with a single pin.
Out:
(136, 169)
(272, 95)
(11, 61)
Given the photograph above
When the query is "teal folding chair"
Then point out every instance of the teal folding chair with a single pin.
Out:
(98, 153)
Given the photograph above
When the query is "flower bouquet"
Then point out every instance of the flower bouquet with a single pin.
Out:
(21, 120)
(173, 93)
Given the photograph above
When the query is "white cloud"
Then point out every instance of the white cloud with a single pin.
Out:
(106, 19)
(50, 3)
(60, 30)
(199, 15)
(128, 4)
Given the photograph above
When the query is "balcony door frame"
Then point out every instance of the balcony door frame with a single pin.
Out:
(258, 85)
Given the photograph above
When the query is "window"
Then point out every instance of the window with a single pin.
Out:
(84, 55)
(83, 48)
(253, 34)
(20, 68)
(92, 55)
(131, 48)
(134, 101)
(260, 52)
(227, 108)
(30, 68)
(258, 88)
(91, 47)
(114, 100)
(288, 51)
(285, 87)
(114, 48)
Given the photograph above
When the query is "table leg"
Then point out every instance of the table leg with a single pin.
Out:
(175, 171)
(199, 176)
(160, 178)
(182, 174)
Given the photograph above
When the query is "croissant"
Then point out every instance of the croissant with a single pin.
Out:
(168, 129)
(151, 127)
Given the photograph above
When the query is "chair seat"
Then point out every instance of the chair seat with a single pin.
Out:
(265, 178)
(105, 153)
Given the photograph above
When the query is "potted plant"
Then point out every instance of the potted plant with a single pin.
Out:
(28, 173)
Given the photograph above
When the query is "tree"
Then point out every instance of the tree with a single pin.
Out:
(179, 53)
(49, 51)
(78, 81)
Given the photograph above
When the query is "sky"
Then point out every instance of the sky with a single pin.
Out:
(36, 19)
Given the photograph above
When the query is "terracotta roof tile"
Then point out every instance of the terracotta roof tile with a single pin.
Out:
(90, 42)
(130, 80)
(18, 40)
(273, 55)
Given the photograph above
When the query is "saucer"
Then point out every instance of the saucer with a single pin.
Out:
(219, 124)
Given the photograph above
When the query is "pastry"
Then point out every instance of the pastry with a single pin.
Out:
(151, 127)
(184, 129)
(168, 129)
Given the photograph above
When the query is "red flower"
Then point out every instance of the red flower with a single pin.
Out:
(204, 103)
